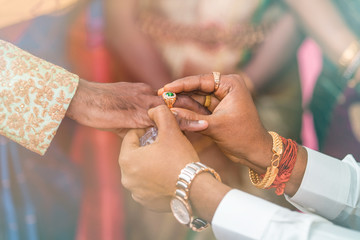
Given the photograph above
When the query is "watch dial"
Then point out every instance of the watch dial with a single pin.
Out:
(180, 211)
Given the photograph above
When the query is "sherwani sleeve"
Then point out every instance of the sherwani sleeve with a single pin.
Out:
(34, 97)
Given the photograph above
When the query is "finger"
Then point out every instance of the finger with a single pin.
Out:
(131, 140)
(204, 83)
(209, 104)
(165, 122)
(121, 132)
(158, 100)
(184, 101)
(190, 121)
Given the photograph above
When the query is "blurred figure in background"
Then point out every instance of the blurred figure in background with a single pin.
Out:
(335, 103)
(159, 41)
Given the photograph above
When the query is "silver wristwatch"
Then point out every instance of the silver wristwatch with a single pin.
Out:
(180, 204)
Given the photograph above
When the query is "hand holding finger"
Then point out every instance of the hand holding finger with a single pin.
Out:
(190, 121)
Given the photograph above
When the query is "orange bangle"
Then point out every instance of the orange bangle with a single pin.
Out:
(286, 165)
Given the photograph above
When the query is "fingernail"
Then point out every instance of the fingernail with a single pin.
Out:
(160, 91)
(202, 122)
(174, 112)
(197, 125)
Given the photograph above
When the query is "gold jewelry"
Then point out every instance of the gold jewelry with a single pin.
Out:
(349, 54)
(207, 101)
(169, 98)
(216, 80)
(272, 170)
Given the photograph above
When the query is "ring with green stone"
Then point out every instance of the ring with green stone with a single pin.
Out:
(169, 98)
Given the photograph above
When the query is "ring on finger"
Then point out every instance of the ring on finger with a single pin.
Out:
(169, 98)
(207, 101)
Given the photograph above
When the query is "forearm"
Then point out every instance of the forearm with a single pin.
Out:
(323, 22)
(132, 46)
(206, 194)
(278, 50)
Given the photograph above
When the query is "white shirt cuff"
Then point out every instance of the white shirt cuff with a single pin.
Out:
(326, 182)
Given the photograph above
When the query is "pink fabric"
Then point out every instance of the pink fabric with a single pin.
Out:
(310, 65)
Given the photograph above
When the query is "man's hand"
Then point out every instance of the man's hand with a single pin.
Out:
(151, 172)
(234, 123)
(116, 106)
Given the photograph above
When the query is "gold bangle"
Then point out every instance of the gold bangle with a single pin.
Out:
(272, 170)
(349, 54)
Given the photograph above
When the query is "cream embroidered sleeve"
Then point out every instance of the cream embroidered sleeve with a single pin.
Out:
(34, 96)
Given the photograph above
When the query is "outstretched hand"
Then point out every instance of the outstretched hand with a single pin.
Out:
(121, 105)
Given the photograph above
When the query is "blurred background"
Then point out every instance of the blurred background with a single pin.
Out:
(286, 51)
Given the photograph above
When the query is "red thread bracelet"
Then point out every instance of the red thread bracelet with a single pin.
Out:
(286, 165)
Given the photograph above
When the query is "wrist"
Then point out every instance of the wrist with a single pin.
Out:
(260, 156)
(206, 194)
(298, 172)
(181, 205)
(76, 109)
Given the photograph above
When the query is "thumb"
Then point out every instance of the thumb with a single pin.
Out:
(165, 121)
(190, 121)
(131, 140)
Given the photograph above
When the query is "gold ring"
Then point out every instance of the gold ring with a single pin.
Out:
(169, 98)
(216, 80)
(207, 101)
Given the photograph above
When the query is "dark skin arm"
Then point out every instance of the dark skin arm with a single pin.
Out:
(117, 106)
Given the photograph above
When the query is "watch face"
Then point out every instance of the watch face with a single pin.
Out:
(180, 211)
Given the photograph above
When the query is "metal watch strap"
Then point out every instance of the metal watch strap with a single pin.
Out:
(186, 176)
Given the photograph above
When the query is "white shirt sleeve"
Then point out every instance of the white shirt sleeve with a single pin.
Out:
(330, 188)
(244, 216)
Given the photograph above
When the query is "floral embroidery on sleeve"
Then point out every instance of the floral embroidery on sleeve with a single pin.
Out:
(34, 97)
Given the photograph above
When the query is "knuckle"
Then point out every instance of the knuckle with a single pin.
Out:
(125, 182)
(123, 161)
(139, 198)
(162, 108)
(235, 77)
(144, 87)
(135, 197)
